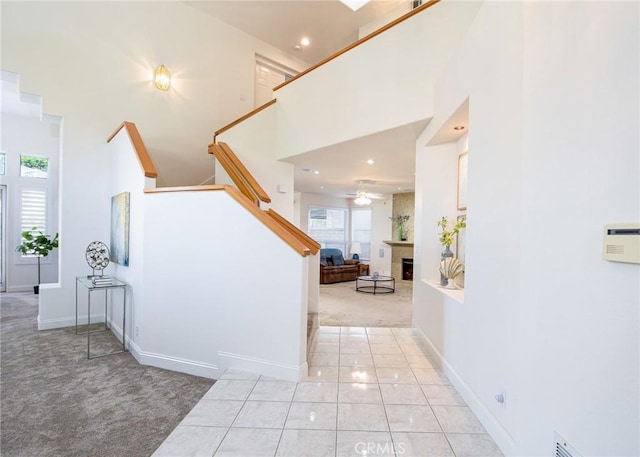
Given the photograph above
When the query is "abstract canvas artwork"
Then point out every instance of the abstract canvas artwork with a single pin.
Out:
(120, 229)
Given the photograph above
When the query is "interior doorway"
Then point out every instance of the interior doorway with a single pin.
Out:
(269, 74)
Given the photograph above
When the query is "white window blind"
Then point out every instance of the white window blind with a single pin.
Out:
(328, 227)
(33, 210)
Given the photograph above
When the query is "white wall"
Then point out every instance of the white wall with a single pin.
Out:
(543, 317)
(38, 137)
(203, 305)
(217, 301)
(381, 211)
(384, 83)
(92, 63)
(580, 171)
(127, 175)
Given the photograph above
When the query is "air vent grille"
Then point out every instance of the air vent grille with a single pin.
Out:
(615, 249)
(563, 449)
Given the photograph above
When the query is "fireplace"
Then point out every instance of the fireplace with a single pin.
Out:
(407, 269)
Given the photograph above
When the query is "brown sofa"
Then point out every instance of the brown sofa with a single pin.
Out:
(335, 268)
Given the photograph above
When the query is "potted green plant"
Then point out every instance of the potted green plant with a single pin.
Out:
(400, 220)
(36, 243)
(447, 237)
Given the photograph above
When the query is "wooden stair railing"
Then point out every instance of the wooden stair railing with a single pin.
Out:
(312, 244)
(141, 151)
(238, 173)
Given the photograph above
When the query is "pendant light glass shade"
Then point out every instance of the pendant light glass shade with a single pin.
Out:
(362, 199)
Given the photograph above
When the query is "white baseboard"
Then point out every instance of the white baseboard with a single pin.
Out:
(295, 373)
(166, 362)
(60, 322)
(175, 364)
(499, 434)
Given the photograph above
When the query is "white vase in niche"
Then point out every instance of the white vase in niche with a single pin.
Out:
(450, 284)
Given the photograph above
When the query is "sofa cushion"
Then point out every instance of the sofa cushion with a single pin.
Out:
(338, 258)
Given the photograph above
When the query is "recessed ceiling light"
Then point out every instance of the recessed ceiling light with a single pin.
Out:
(321, 187)
(316, 172)
(304, 41)
(370, 161)
(297, 47)
(459, 127)
(355, 4)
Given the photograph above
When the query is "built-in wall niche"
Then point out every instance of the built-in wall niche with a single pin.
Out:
(445, 192)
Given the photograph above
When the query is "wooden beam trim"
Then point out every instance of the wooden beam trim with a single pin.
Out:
(359, 42)
(158, 190)
(144, 158)
(312, 244)
(239, 120)
(248, 177)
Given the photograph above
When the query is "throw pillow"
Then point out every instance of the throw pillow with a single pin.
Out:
(338, 260)
(330, 260)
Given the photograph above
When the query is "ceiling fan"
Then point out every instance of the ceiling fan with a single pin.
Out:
(362, 197)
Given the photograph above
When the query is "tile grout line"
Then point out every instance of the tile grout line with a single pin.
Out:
(237, 414)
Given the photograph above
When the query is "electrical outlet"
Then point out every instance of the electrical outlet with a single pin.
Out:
(137, 331)
(381, 253)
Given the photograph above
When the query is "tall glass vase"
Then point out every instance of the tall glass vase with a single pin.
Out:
(443, 255)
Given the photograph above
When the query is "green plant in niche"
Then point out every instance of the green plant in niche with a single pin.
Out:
(36, 243)
(447, 236)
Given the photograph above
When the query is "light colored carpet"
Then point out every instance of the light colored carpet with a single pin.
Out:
(341, 305)
(56, 402)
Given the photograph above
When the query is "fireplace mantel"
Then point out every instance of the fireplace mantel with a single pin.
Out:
(398, 243)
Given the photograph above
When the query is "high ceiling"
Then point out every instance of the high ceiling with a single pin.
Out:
(330, 26)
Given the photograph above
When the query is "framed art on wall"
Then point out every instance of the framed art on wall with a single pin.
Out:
(120, 229)
(462, 180)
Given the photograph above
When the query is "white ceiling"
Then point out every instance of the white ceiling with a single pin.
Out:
(343, 167)
(330, 26)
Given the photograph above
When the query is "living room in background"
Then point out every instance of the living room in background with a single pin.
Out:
(361, 231)
(328, 226)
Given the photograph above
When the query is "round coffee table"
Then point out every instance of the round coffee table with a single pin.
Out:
(376, 285)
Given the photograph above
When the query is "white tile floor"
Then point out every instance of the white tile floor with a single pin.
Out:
(370, 392)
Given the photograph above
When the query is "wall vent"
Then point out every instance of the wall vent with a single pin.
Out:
(564, 449)
(415, 4)
(615, 249)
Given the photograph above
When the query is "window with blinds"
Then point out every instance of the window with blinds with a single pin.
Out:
(33, 210)
(328, 227)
